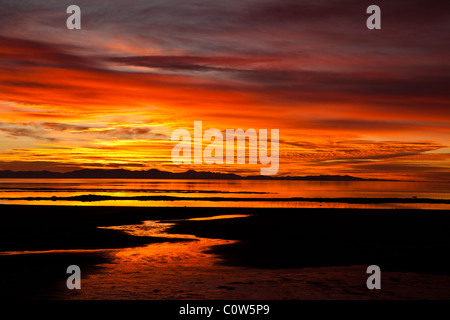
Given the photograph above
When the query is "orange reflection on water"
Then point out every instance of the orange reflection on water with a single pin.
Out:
(159, 270)
(188, 252)
(220, 193)
(238, 204)
(224, 216)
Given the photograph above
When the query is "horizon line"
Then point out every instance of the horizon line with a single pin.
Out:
(176, 175)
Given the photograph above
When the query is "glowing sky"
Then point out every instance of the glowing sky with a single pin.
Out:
(347, 100)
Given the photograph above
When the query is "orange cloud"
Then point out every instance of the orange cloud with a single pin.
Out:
(343, 104)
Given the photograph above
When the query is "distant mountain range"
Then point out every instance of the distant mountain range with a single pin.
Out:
(158, 174)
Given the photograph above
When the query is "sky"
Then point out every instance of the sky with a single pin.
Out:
(346, 100)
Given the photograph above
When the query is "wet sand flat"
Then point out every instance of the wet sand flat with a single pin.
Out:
(268, 254)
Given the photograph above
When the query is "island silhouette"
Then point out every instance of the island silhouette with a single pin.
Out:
(159, 174)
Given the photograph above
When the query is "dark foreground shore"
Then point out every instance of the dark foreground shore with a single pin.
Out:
(401, 240)
(415, 241)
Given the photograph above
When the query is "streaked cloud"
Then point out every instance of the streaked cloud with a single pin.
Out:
(346, 100)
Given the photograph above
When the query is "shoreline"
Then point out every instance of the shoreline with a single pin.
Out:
(94, 198)
(398, 240)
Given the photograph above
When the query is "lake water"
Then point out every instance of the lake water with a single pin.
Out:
(221, 193)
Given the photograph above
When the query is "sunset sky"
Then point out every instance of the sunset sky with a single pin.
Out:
(347, 100)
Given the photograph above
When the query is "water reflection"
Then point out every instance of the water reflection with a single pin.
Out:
(195, 193)
(167, 270)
